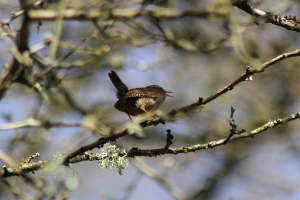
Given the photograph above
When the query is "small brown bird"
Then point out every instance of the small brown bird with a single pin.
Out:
(138, 100)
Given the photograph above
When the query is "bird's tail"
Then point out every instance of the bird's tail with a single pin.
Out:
(119, 85)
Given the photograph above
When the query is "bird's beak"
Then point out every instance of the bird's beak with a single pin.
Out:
(166, 92)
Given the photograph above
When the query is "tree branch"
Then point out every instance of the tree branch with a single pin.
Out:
(199, 105)
(31, 122)
(80, 154)
(192, 148)
(14, 70)
(118, 13)
(287, 22)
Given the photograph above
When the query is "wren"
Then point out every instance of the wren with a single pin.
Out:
(137, 101)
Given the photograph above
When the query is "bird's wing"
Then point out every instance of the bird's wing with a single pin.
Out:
(140, 92)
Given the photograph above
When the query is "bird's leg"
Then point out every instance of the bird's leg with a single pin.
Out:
(129, 116)
(155, 116)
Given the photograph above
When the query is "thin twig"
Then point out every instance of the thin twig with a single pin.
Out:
(169, 139)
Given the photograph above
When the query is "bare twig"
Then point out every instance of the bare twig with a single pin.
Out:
(14, 15)
(118, 13)
(11, 74)
(233, 126)
(169, 139)
(31, 122)
(150, 172)
(288, 22)
(58, 29)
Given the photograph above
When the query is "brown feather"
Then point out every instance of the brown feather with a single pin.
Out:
(140, 92)
(119, 85)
